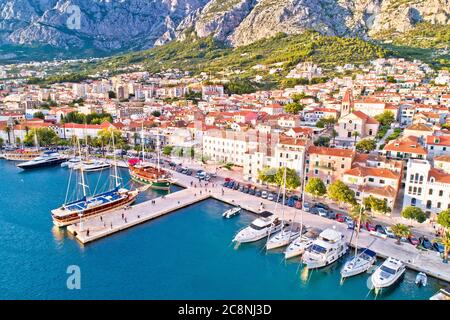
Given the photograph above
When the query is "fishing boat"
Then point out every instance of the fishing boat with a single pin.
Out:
(231, 212)
(388, 273)
(328, 248)
(421, 279)
(299, 245)
(146, 173)
(359, 263)
(94, 205)
(46, 159)
(284, 237)
(260, 228)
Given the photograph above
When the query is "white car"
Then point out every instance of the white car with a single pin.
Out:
(270, 197)
(264, 195)
(322, 212)
(389, 232)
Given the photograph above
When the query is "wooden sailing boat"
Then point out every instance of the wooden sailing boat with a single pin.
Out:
(93, 205)
(147, 173)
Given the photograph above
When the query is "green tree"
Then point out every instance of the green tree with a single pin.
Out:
(366, 145)
(167, 150)
(8, 132)
(39, 115)
(355, 134)
(316, 187)
(105, 137)
(156, 113)
(445, 241)
(386, 118)
(400, 231)
(414, 213)
(326, 122)
(322, 141)
(45, 137)
(292, 178)
(112, 95)
(1, 143)
(339, 191)
(377, 205)
(293, 108)
(444, 218)
(267, 175)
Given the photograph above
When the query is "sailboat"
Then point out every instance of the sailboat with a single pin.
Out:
(147, 173)
(288, 232)
(360, 262)
(93, 205)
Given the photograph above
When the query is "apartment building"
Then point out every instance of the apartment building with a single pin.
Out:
(427, 187)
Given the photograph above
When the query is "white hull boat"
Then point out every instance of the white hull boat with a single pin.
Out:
(388, 273)
(328, 248)
(231, 212)
(258, 229)
(299, 245)
(92, 166)
(421, 279)
(283, 237)
(71, 163)
(359, 264)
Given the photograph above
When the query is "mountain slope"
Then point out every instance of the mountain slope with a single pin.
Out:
(116, 25)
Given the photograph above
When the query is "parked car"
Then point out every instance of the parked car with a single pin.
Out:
(179, 169)
(439, 247)
(322, 205)
(413, 240)
(258, 193)
(425, 243)
(379, 228)
(189, 172)
(322, 212)
(306, 207)
(264, 194)
(340, 217)
(231, 184)
(246, 189)
(389, 232)
(237, 186)
(207, 177)
(370, 227)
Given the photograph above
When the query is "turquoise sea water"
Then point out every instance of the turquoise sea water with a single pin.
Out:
(184, 255)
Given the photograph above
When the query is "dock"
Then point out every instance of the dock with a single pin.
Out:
(116, 221)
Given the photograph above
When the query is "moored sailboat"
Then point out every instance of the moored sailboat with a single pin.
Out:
(93, 205)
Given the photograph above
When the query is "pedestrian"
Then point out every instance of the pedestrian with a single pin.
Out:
(111, 225)
(200, 192)
(101, 218)
(87, 232)
(122, 216)
(126, 220)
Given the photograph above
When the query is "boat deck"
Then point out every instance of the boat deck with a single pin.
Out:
(425, 261)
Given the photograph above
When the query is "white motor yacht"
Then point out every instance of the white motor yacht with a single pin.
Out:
(360, 263)
(299, 245)
(388, 273)
(71, 163)
(328, 248)
(259, 228)
(92, 165)
(288, 233)
(48, 158)
(231, 212)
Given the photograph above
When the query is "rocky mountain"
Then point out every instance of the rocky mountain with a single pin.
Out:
(119, 25)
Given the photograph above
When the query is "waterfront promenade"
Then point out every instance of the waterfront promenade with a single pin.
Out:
(96, 228)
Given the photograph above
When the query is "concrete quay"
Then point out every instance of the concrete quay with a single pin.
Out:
(424, 261)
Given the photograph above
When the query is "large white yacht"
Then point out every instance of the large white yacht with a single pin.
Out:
(48, 158)
(260, 228)
(325, 250)
(360, 263)
(289, 232)
(92, 165)
(299, 245)
(388, 273)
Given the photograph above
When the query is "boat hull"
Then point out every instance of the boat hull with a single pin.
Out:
(91, 213)
(41, 164)
(158, 184)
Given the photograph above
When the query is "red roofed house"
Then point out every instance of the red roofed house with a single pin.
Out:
(359, 122)
(68, 130)
(438, 145)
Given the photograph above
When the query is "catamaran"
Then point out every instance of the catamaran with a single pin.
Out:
(93, 205)
(328, 248)
(146, 173)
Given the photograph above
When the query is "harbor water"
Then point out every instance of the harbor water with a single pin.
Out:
(184, 255)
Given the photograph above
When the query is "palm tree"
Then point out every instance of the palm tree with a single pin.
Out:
(445, 241)
(8, 132)
(400, 231)
(356, 135)
(334, 134)
(360, 215)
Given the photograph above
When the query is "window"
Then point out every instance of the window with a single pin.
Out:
(316, 172)
(413, 201)
(438, 205)
(381, 181)
(430, 192)
(371, 179)
(441, 193)
(429, 204)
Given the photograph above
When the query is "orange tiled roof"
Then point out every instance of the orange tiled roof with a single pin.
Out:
(374, 172)
(408, 144)
(334, 152)
(439, 140)
(439, 175)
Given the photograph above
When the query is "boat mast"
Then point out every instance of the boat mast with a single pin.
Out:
(284, 191)
(157, 149)
(359, 225)
(142, 141)
(116, 177)
(83, 182)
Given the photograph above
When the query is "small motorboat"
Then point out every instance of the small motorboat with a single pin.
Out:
(231, 212)
(260, 228)
(421, 279)
(388, 273)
